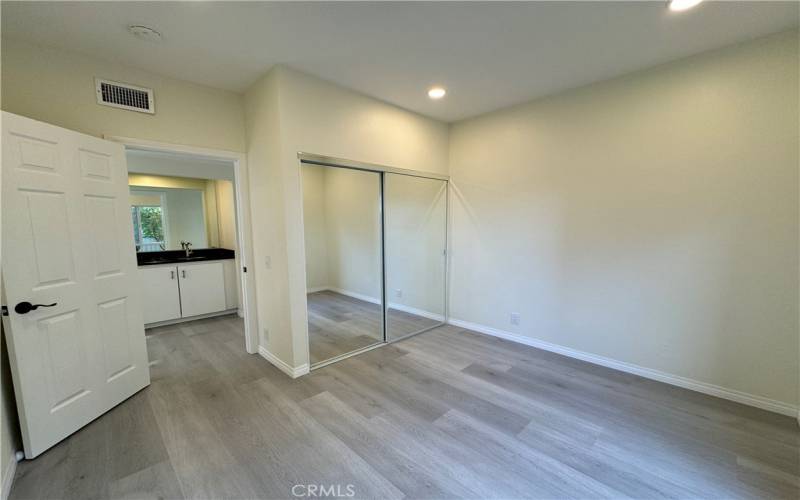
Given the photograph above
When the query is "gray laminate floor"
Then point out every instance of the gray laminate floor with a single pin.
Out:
(444, 414)
(339, 324)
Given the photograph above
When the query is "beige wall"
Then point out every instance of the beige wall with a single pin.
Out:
(288, 112)
(145, 198)
(184, 210)
(226, 213)
(353, 231)
(341, 219)
(211, 214)
(186, 218)
(321, 118)
(341, 215)
(269, 266)
(226, 220)
(315, 227)
(166, 181)
(10, 441)
(416, 220)
(57, 87)
(651, 219)
(219, 208)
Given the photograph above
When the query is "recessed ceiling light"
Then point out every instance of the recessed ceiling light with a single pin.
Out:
(436, 93)
(678, 5)
(144, 33)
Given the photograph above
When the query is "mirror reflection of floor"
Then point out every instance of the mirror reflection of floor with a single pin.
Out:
(338, 324)
(401, 323)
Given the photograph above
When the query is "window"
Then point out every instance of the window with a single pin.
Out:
(148, 228)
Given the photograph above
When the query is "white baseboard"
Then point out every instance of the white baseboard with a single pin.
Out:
(356, 295)
(175, 321)
(282, 366)
(8, 475)
(668, 378)
(416, 312)
(374, 300)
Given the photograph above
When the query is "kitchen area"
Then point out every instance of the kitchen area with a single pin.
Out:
(184, 225)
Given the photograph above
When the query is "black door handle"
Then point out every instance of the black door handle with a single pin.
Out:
(26, 307)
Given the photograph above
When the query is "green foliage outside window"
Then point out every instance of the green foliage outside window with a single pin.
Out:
(152, 223)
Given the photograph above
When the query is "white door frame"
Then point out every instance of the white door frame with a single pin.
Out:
(243, 228)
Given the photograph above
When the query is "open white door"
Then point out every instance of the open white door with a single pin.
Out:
(67, 244)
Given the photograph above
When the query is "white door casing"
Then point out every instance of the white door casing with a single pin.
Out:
(67, 239)
(160, 296)
(202, 288)
(244, 258)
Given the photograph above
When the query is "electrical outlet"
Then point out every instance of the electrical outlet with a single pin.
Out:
(515, 318)
(398, 293)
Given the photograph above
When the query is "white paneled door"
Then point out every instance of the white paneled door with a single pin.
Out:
(76, 341)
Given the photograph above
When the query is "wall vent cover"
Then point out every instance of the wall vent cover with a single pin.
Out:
(124, 96)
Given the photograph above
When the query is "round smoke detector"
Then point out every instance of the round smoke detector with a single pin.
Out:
(144, 33)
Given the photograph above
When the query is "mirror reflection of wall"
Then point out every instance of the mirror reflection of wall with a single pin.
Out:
(164, 217)
(360, 227)
(169, 207)
(342, 224)
(416, 239)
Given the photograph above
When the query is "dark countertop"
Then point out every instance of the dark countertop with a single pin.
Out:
(179, 256)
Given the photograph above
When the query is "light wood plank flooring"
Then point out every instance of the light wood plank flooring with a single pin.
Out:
(339, 324)
(444, 414)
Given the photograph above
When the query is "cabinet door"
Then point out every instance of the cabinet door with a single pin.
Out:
(202, 288)
(160, 298)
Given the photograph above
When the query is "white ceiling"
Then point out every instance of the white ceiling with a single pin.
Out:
(488, 54)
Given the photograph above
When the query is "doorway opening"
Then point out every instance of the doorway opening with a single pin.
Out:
(191, 232)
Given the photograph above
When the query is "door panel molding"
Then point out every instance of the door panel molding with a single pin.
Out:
(67, 240)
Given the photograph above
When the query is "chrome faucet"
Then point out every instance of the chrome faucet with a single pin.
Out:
(188, 248)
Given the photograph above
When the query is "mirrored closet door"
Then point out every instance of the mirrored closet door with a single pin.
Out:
(344, 268)
(375, 243)
(415, 245)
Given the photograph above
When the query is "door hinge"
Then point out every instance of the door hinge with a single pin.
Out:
(5, 310)
(244, 269)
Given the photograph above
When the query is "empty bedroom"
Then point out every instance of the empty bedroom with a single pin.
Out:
(423, 250)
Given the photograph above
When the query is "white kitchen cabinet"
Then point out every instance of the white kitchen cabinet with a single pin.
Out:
(171, 292)
(160, 297)
(202, 288)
